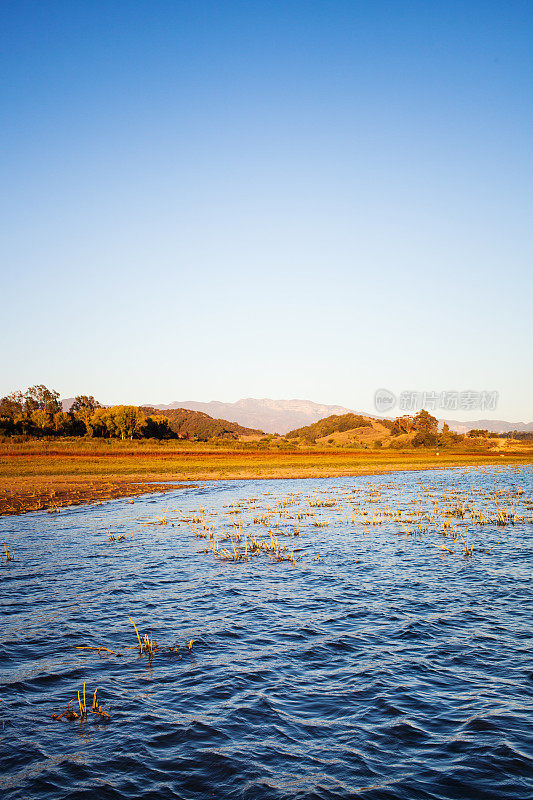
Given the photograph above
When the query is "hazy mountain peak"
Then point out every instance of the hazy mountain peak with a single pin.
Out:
(281, 416)
(271, 416)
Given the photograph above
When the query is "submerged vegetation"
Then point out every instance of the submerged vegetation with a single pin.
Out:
(146, 645)
(9, 556)
(455, 516)
(95, 708)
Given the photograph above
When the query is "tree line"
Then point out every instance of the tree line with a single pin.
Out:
(38, 412)
(425, 428)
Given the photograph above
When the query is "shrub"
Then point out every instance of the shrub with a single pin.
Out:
(425, 439)
(400, 443)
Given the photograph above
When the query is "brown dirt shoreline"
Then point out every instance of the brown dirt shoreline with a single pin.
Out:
(23, 495)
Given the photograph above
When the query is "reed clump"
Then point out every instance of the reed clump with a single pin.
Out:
(10, 556)
(82, 713)
(147, 644)
(161, 520)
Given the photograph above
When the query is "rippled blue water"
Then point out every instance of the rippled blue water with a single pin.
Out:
(386, 669)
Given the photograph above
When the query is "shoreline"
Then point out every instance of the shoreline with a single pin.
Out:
(52, 496)
(27, 493)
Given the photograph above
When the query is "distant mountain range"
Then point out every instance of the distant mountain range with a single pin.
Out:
(492, 425)
(282, 416)
(271, 416)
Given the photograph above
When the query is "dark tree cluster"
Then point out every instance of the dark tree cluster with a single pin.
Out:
(520, 435)
(38, 412)
(481, 433)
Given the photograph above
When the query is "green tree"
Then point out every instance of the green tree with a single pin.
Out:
(445, 437)
(83, 409)
(425, 423)
(424, 439)
(402, 425)
(41, 419)
(157, 427)
(128, 420)
(40, 398)
(12, 405)
(7, 425)
(84, 401)
(62, 423)
(102, 423)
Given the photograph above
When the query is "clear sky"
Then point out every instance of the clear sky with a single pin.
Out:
(214, 200)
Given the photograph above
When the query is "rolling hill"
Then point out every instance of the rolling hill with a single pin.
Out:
(196, 425)
(343, 429)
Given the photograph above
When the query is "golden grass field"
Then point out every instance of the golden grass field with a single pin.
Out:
(36, 477)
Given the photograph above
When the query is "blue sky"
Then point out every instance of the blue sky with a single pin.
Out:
(214, 200)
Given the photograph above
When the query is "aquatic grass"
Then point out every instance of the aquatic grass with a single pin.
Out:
(71, 715)
(9, 556)
(432, 512)
(120, 538)
(467, 552)
(83, 707)
(161, 520)
(148, 644)
(99, 649)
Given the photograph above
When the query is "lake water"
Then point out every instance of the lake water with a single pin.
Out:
(377, 666)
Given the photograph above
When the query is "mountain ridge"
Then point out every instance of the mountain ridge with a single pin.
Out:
(271, 416)
(282, 416)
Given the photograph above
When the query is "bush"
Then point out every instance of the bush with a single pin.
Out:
(424, 439)
(400, 443)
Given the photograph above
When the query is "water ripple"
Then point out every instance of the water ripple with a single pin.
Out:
(378, 672)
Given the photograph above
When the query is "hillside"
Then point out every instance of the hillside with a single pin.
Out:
(196, 425)
(358, 431)
(343, 429)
